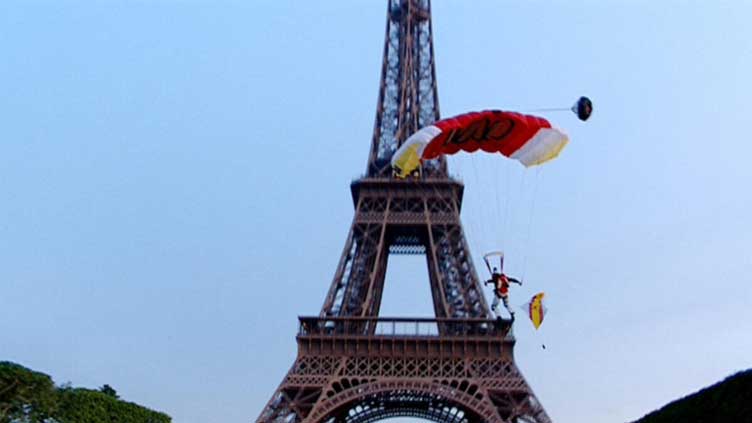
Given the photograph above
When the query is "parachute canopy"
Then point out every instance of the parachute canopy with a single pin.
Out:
(536, 310)
(583, 108)
(529, 139)
(407, 158)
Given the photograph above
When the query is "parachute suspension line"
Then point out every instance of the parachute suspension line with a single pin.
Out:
(507, 200)
(518, 211)
(530, 223)
(550, 109)
(516, 207)
(481, 238)
(474, 198)
(583, 107)
(497, 222)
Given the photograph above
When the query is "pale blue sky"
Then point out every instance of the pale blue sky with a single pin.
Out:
(174, 190)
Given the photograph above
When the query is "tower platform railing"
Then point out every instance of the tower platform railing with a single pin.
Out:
(405, 337)
(403, 327)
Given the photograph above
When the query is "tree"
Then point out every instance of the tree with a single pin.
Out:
(727, 401)
(109, 390)
(79, 405)
(25, 395)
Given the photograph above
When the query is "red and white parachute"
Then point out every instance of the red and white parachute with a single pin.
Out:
(529, 139)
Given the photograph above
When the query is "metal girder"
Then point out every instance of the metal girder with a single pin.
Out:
(408, 96)
(417, 217)
(346, 374)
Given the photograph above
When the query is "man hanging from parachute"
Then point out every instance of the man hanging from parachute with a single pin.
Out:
(529, 139)
(500, 282)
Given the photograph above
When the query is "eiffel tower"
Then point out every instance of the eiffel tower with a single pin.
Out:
(355, 366)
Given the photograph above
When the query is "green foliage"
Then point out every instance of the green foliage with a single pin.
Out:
(726, 401)
(109, 390)
(78, 405)
(25, 395)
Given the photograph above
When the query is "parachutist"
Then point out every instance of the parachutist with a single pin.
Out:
(500, 282)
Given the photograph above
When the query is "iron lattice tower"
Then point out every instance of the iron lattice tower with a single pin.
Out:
(354, 366)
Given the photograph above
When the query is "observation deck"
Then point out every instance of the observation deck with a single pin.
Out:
(405, 337)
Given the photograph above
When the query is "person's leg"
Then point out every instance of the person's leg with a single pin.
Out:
(494, 306)
(506, 305)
